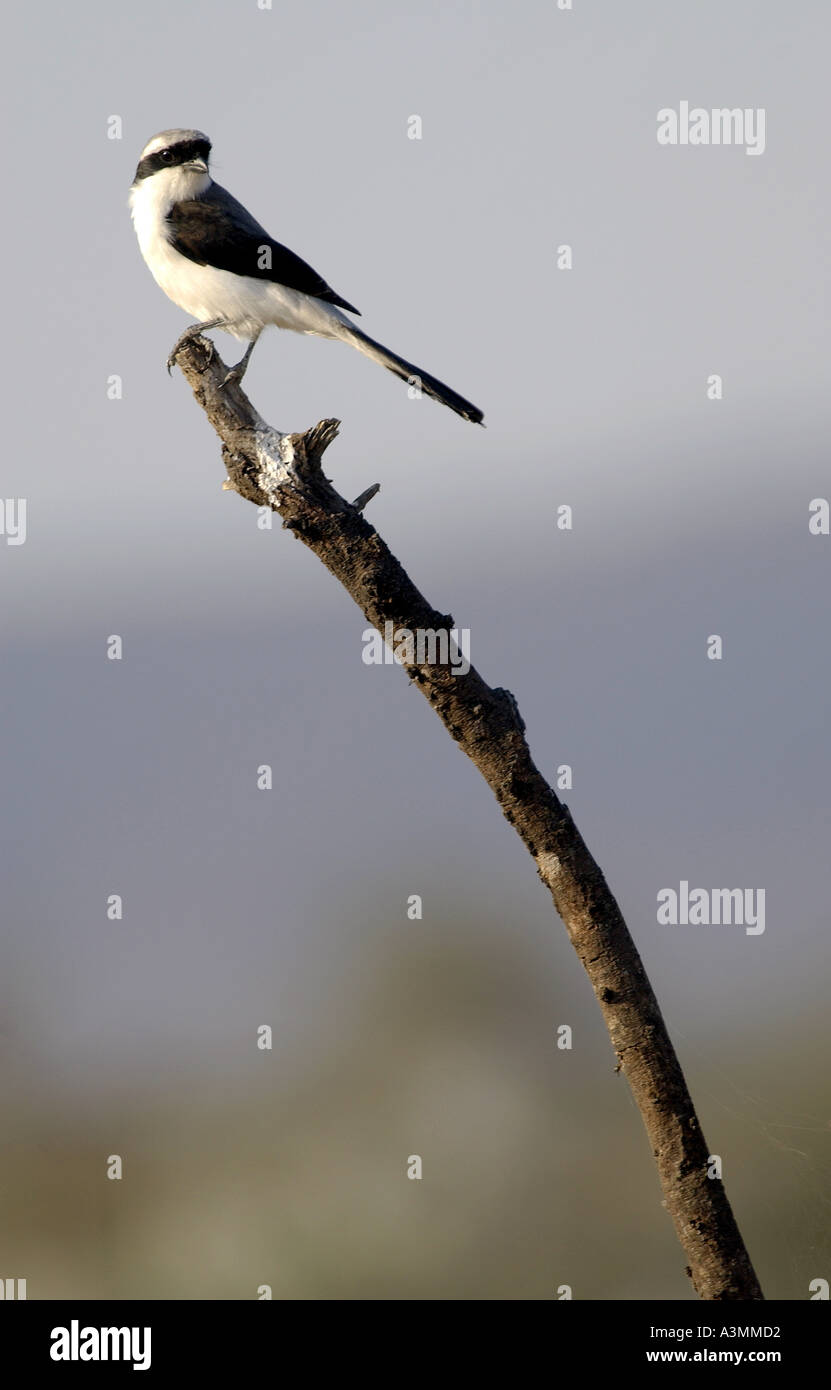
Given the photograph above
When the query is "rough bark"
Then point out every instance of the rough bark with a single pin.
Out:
(283, 472)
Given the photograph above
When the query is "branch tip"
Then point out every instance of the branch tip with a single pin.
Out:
(366, 496)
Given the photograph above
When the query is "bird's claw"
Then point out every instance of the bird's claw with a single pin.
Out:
(186, 338)
(176, 349)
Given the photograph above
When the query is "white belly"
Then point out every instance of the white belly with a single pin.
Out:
(247, 304)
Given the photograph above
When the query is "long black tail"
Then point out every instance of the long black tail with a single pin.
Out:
(429, 384)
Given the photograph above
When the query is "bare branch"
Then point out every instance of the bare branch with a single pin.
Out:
(283, 471)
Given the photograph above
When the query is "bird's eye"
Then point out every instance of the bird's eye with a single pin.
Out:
(166, 156)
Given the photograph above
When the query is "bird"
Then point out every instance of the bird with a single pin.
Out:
(215, 261)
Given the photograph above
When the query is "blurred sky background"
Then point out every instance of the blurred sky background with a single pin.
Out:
(288, 907)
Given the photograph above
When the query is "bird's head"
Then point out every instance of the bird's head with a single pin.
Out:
(175, 162)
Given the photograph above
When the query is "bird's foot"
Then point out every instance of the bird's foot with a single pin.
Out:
(181, 342)
(234, 374)
(188, 337)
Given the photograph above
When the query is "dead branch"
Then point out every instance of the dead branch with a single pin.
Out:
(283, 472)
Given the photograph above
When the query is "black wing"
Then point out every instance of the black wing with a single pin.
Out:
(217, 230)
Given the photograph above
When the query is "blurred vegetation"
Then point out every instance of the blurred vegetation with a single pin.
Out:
(292, 1171)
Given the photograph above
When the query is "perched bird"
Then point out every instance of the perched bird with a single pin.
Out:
(217, 263)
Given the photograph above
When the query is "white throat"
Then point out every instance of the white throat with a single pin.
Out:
(152, 199)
